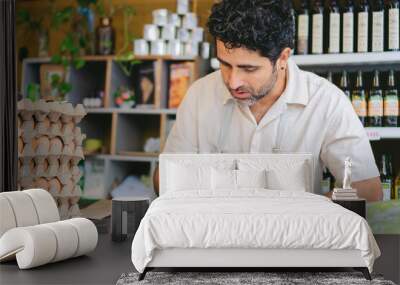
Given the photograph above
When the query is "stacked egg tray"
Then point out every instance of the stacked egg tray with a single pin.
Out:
(50, 148)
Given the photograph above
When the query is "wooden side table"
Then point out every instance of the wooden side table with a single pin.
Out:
(357, 206)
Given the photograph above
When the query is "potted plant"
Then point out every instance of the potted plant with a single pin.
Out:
(124, 98)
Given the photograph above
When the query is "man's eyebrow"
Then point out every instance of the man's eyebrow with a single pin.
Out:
(240, 65)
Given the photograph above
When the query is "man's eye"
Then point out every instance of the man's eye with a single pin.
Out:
(250, 69)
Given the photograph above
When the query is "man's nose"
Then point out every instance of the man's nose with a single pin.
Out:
(234, 80)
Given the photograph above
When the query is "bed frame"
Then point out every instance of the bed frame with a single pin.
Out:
(242, 259)
(260, 259)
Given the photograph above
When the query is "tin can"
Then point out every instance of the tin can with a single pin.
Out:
(160, 17)
(197, 35)
(175, 48)
(190, 21)
(151, 32)
(182, 7)
(205, 50)
(183, 35)
(168, 32)
(141, 47)
(174, 20)
(158, 47)
(192, 49)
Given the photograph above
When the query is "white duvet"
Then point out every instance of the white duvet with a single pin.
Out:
(253, 218)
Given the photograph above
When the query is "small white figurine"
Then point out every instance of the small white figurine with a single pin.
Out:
(347, 173)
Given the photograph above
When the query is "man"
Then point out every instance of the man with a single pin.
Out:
(261, 102)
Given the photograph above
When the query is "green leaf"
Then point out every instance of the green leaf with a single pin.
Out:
(55, 80)
(24, 16)
(56, 59)
(33, 91)
(65, 88)
(79, 63)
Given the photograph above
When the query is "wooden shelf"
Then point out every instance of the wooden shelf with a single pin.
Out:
(114, 57)
(369, 58)
(139, 158)
(131, 111)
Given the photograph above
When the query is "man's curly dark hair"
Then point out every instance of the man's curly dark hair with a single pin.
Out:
(266, 26)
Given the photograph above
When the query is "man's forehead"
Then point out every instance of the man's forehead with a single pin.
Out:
(240, 56)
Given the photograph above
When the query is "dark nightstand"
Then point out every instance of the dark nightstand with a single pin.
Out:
(357, 206)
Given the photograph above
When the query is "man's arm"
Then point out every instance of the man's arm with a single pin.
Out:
(156, 181)
(369, 189)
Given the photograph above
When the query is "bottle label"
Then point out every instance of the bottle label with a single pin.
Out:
(348, 32)
(362, 40)
(302, 41)
(359, 105)
(375, 105)
(377, 31)
(394, 29)
(317, 33)
(387, 190)
(391, 104)
(334, 33)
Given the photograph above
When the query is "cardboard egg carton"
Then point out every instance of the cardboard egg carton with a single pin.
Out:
(43, 168)
(68, 207)
(54, 111)
(66, 132)
(43, 147)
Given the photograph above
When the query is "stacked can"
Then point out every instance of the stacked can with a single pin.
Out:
(175, 34)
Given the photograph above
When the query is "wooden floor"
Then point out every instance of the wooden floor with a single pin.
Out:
(103, 266)
(111, 259)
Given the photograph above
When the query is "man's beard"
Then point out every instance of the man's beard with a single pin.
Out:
(256, 96)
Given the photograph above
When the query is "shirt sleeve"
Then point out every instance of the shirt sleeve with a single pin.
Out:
(346, 137)
(183, 135)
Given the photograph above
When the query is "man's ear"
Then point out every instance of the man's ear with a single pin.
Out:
(283, 58)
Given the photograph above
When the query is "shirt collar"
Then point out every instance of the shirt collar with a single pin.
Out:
(296, 91)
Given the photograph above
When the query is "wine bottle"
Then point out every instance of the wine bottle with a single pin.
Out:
(358, 99)
(317, 40)
(344, 84)
(391, 103)
(375, 103)
(348, 27)
(393, 40)
(334, 27)
(303, 28)
(386, 177)
(362, 26)
(378, 14)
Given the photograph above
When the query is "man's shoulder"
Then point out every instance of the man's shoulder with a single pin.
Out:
(211, 80)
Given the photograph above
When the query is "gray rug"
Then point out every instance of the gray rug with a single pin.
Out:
(242, 278)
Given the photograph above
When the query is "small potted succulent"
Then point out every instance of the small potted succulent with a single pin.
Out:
(124, 98)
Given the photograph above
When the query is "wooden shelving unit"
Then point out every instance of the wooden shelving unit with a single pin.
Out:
(123, 131)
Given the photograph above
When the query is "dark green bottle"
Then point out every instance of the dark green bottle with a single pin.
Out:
(359, 100)
(391, 103)
(375, 103)
(344, 84)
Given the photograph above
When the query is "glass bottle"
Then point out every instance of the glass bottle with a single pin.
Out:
(105, 37)
(391, 103)
(375, 103)
(303, 28)
(358, 99)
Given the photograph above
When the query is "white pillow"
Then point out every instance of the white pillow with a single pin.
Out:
(251, 179)
(223, 179)
(236, 179)
(182, 177)
(293, 178)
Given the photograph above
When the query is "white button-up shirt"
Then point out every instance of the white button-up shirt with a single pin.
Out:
(311, 116)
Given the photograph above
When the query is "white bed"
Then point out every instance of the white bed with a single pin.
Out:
(213, 212)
